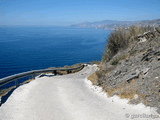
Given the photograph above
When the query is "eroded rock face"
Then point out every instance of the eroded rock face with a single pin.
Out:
(137, 74)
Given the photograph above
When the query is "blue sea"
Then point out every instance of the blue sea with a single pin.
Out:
(30, 48)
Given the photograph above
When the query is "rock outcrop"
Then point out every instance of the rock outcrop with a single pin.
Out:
(135, 77)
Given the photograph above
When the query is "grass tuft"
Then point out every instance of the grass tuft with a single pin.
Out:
(93, 78)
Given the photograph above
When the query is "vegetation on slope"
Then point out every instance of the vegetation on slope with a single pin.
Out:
(121, 38)
(131, 64)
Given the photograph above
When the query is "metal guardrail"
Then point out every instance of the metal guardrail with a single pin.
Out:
(35, 73)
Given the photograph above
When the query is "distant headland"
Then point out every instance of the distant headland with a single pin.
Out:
(113, 24)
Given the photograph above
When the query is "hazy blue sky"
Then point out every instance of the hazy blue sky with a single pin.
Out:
(64, 12)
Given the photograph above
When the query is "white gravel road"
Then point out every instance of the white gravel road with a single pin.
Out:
(69, 97)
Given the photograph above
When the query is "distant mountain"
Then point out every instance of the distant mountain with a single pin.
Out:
(153, 23)
(113, 24)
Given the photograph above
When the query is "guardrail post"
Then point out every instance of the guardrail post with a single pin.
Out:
(55, 72)
(69, 71)
(33, 76)
(16, 83)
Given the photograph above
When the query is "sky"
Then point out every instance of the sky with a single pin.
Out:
(66, 12)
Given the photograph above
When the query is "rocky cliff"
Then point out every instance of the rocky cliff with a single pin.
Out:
(133, 73)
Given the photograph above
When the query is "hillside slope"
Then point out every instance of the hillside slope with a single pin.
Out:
(133, 72)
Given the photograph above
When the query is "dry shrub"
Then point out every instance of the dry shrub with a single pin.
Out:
(136, 30)
(64, 72)
(27, 81)
(124, 90)
(116, 60)
(121, 38)
(117, 40)
(109, 68)
(129, 94)
(72, 66)
(3, 92)
(95, 62)
(132, 52)
(93, 78)
(100, 73)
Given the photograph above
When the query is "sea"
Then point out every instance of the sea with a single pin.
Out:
(25, 48)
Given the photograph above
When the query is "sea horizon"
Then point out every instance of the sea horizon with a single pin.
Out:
(25, 48)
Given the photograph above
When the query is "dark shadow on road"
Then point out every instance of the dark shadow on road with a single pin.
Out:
(6, 96)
